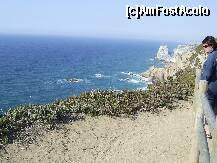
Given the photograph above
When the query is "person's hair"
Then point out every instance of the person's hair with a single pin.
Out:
(210, 40)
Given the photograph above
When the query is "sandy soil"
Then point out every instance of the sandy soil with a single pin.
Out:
(164, 138)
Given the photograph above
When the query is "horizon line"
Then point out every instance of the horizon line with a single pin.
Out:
(92, 37)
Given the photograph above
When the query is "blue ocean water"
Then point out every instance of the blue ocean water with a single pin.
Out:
(37, 69)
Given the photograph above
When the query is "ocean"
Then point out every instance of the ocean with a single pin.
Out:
(42, 69)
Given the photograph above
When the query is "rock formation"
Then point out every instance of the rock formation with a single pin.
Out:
(163, 53)
(180, 59)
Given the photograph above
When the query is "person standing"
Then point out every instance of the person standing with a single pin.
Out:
(208, 78)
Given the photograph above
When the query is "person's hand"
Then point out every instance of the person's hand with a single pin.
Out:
(203, 86)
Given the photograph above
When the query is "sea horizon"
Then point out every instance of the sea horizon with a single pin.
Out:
(123, 38)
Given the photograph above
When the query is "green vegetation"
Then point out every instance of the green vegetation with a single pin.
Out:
(95, 103)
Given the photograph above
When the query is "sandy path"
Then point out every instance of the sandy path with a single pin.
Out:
(150, 138)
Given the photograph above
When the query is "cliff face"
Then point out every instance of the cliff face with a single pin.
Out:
(183, 56)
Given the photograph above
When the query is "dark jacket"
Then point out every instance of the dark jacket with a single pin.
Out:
(209, 72)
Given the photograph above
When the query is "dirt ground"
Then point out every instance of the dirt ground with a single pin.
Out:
(163, 138)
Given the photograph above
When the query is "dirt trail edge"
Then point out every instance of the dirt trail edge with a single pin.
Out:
(163, 138)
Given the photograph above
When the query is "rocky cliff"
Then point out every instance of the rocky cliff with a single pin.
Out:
(163, 53)
(182, 57)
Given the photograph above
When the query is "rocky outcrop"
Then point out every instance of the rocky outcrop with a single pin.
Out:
(163, 53)
(181, 58)
(182, 53)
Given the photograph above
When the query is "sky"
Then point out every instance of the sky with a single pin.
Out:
(101, 18)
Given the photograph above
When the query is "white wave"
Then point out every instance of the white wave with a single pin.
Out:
(137, 75)
(127, 73)
(72, 80)
(136, 78)
(131, 74)
(101, 76)
(98, 75)
(124, 79)
(61, 81)
(147, 80)
(133, 81)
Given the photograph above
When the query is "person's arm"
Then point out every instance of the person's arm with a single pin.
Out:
(208, 68)
(206, 73)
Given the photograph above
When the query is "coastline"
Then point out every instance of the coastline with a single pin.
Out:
(126, 105)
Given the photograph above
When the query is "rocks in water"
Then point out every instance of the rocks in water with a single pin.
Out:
(163, 53)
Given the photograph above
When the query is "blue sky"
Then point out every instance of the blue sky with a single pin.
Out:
(98, 18)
